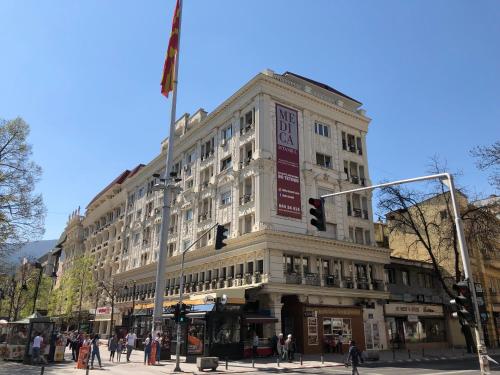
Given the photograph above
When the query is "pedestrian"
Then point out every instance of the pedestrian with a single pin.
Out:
(255, 344)
(281, 346)
(147, 348)
(119, 348)
(340, 342)
(95, 350)
(274, 345)
(35, 349)
(158, 346)
(131, 338)
(354, 357)
(112, 345)
(288, 347)
(78, 344)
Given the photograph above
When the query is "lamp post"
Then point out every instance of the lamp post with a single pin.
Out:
(131, 315)
(80, 303)
(39, 280)
(447, 179)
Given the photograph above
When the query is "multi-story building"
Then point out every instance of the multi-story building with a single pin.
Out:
(251, 165)
(436, 214)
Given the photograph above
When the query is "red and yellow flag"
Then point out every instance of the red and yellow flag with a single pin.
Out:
(167, 81)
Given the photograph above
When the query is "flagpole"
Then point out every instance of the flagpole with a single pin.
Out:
(162, 256)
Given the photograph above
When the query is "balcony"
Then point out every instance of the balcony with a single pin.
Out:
(293, 278)
(204, 216)
(245, 162)
(331, 281)
(356, 212)
(207, 156)
(247, 129)
(355, 179)
(246, 199)
(312, 279)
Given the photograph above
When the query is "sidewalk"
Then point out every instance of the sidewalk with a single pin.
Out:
(136, 366)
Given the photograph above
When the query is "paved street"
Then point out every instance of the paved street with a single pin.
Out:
(462, 366)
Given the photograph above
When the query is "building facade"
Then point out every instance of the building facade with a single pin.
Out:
(251, 165)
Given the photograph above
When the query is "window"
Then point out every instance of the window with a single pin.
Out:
(188, 216)
(260, 266)
(225, 198)
(185, 244)
(443, 214)
(391, 275)
(326, 267)
(227, 133)
(225, 164)
(250, 267)
(344, 141)
(368, 240)
(137, 236)
(321, 129)
(323, 160)
(405, 276)
(359, 145)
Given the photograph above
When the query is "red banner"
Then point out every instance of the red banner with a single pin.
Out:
(287, 162)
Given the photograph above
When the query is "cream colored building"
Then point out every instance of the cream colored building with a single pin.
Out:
(288, 276)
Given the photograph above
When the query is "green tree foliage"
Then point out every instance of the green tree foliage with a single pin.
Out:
(77, 282)
(22, 212)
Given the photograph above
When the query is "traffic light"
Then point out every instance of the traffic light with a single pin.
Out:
(182, 313)
(461, 305)
(220, 236)
(318, 211)
(177, 313)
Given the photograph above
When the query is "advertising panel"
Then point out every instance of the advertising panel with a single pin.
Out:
(287, 162)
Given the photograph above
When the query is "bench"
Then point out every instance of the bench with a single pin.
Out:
(207, 363)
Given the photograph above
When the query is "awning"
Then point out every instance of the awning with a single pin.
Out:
(259, 318)
(202, 308)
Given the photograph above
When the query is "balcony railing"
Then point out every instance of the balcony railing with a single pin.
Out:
(246, 198)
(312, 279)
(356, 212)
(293, 278)
(246, 129)
(355, 179)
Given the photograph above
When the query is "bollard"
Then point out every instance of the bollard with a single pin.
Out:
(253, 362)
(393, 354)
(409, 354)
(278, 361)
(226, 363)
(322, 359)
(423, 353)
(42, 370)
(301, 359)
(87, 370)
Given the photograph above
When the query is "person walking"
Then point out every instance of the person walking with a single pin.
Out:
(35, 349)
(95, 351)
(288, 347)
(354, 357)
(274, 345)
(78, 344)
(158, 346)
(112, 345)
(131, 338)
(147, 348)
(119, 349)
(255, 344)
(281, 346)
(340, 342)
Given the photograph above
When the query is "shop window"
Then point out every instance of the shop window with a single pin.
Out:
(334, 327)
(226, 329)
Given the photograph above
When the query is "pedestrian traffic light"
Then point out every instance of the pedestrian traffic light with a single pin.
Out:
(220, 236)
(461, 305)
(318, 211)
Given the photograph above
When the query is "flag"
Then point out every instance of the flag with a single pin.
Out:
(167, 81)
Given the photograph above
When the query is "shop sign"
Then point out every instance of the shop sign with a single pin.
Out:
(103, 310)
(287, 162)
(310, 314)
(413, 309)
(339, 311)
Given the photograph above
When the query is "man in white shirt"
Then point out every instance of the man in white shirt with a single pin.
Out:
(131, 338)
(37, 343)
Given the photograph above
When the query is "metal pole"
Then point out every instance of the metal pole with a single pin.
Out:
(481, 348)
(464, 252)
(162, 255)
(181, 294)
(112, 308)
(131, 320)
(80, 304)
(37, 287)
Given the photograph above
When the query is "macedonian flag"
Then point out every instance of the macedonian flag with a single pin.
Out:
(167, 81)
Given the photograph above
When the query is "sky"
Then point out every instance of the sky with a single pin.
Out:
(85, 75)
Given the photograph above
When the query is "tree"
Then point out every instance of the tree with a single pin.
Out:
(22, 212)
(76, 285)
(488, 157)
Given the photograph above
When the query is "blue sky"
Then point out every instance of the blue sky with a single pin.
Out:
(85, 75)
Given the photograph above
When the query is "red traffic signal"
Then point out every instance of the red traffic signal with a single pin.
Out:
(318, 211)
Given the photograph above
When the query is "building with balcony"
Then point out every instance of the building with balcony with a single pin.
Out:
(251, 165)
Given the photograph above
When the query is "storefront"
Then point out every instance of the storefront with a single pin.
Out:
(102, 320)
(415, 325)
(322, 328)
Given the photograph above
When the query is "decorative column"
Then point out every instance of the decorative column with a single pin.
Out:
(340, 269)
(302, 276)
(321, 276)
(275, 307)
(354, 276)
(369, 276)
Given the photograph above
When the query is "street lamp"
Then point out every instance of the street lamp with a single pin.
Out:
(131, 315)
(447, 179)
